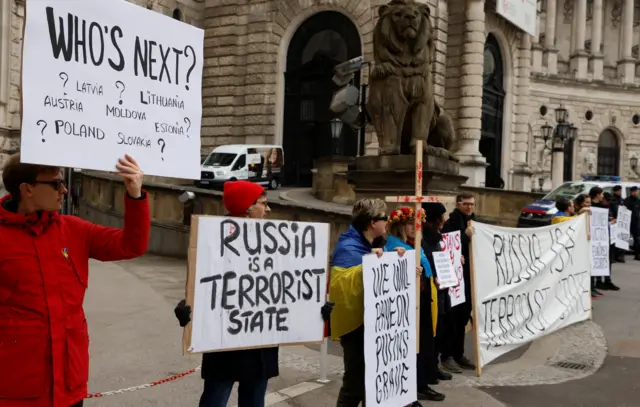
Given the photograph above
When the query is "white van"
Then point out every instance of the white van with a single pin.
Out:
(259, 163)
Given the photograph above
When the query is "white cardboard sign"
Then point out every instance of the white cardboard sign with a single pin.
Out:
(530, 282)
(599, 222)
(105, 78)
(623, 228)
(258, 283)
(444, 270)
(390, 329)
(451, 242)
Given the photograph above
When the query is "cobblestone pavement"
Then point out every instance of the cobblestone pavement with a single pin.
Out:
(616, 383)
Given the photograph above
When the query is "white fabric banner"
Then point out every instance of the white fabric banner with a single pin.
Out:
(390, 329)
(623, 228)
(529, 283)
(599, 220)
(451, 243)
(258, 283)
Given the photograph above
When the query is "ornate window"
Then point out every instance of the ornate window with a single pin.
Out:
(616, 13)
(493, 94)
(568, 11)
(568, 160)
(589, 10)
(608, 154)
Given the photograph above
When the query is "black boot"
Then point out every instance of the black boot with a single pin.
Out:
(429, 394)
(610, 286)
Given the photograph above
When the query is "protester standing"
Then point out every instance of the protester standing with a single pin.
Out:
(632, 203)
(605, 283)
(402, 233)
(44, 274)
(251, 368)
(364, 236)
(616, 202)
(453, 358)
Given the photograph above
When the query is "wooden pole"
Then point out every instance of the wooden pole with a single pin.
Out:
(474, 304)
(418, 238)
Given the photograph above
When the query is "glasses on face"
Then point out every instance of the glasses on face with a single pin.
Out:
(467, 204)
(379, 218)
(56, 184)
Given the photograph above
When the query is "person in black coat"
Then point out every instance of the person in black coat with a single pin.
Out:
(615, 202)
(453, 358)
(251, 368)
(632, 203)
(431, 242)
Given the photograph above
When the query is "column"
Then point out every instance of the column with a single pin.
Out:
(580, 58)
(472, 163)
(626, 64)
(596, 59)
(557, 168)
(536, 48)
(550, 56)
(521, 179)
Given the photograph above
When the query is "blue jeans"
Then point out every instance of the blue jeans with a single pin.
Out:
(216, 393)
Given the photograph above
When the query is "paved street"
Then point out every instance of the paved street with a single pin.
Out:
(136, 340)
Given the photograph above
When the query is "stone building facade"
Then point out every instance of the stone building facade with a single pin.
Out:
(267, 80)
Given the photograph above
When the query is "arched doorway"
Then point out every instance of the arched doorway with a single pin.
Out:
(320, 43)
(492, 112)
(608, 154)
(568, 160)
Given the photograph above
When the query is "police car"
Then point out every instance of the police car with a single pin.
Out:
(540, 212)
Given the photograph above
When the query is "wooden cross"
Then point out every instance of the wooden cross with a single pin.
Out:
(418, 199)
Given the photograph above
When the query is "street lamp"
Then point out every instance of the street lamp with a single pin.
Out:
(336, 131)
(559, 136)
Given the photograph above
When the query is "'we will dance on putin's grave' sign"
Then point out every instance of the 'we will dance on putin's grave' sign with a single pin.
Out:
(255, 283)
(101, 79)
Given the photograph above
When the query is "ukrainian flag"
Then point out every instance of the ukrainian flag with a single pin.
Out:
(346, 288)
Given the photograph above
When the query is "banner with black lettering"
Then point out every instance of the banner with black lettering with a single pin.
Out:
(528, 283)
(255, 283)
(600, 241)
(101, 79)
(390, 329)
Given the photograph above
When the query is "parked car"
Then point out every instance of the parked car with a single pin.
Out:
(540, 212)
(262, 164)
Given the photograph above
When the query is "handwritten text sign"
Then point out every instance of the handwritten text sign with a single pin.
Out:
(390, 329)
(258, 283)
(105, 78)
(599, 242)
(623, 228)
(445, 270)
(451, 243)
(531, 282)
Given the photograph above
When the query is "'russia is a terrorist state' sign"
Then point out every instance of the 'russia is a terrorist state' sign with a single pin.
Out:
(258, 283)
(390, 329)
(105, 78)
(532, 282)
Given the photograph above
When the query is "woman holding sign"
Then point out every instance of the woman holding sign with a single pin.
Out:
(402, 232)
(251, 368)
(44, 272)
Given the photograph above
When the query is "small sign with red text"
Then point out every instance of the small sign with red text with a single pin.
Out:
(451, 243)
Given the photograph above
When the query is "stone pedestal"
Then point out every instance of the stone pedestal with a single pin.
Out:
(626, 70)
(522, 178)
(536, 58)
(596, 66)
(579, 64)
(550, 60)
(395, 175)
(330, 181)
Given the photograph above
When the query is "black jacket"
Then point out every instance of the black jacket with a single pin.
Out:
(458, 222)
(431, 243)
(633, 204)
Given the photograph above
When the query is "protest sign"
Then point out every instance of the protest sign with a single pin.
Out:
(534, 281)
(444, 270)
(451, 243)
(255, 283)
(105, 78)
(599, 227)
(623, 228)
(390, 329)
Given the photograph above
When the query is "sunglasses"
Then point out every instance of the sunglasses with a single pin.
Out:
(378, 218)
(56, 184)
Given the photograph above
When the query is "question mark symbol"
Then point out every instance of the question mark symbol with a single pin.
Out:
(163, 144)
(193, 65)
(43, 127)
(65, 78)
(186, 120)
(121, 90)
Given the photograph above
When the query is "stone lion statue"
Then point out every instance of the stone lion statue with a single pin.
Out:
(401, 102)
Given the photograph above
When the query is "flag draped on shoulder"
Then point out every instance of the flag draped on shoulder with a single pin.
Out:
(346, 289)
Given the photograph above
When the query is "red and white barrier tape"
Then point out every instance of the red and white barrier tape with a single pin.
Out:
(144, 386)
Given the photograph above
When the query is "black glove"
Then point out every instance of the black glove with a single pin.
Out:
(326, 310)
(379, 242)
(183, 313)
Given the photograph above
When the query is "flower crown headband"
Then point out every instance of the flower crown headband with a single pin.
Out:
(406, 214)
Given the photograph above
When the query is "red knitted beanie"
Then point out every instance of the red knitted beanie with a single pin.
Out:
(238, 196)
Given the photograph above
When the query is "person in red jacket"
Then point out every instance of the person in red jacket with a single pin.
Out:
(44, 273)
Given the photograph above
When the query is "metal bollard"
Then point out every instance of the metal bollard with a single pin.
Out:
(323, 362)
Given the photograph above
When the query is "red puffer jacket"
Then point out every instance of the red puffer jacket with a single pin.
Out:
(44, 272)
